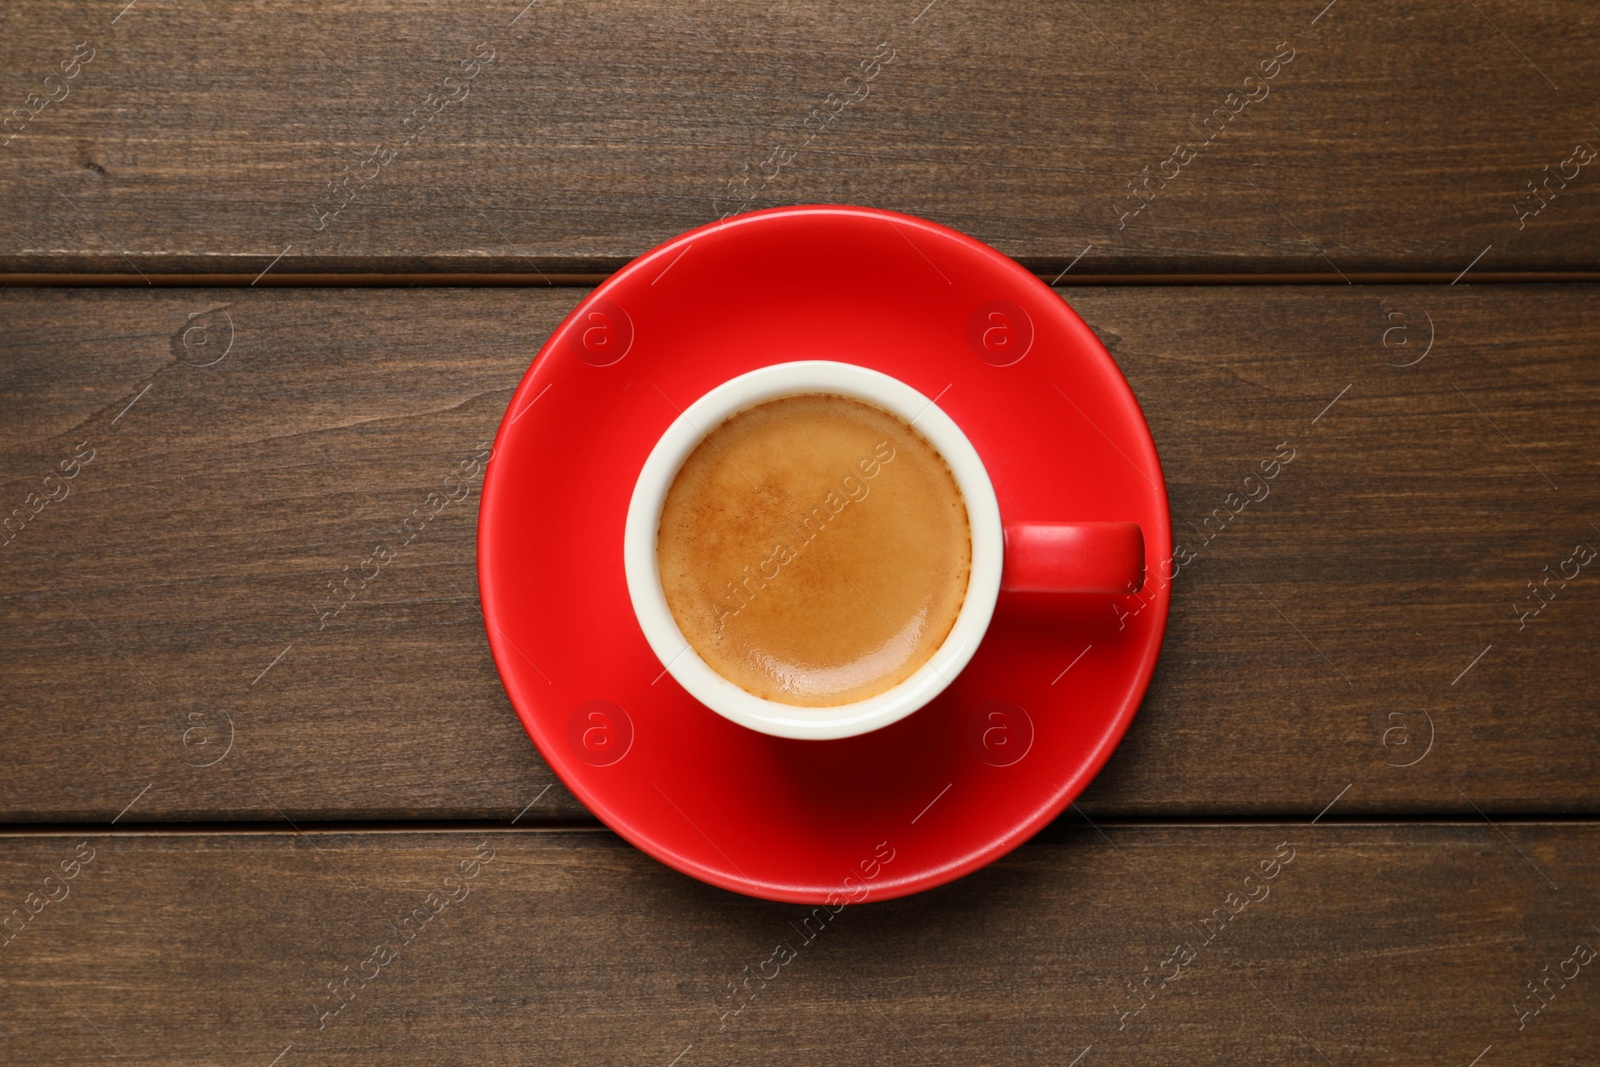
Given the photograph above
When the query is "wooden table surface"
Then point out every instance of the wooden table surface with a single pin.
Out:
(269, 271)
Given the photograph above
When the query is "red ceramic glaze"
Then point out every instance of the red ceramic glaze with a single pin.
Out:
(1068, 557)
(1049, 692)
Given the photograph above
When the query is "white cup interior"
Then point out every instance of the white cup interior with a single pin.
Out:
(644, 577)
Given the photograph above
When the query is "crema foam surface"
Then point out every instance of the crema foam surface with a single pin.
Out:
(815, 550)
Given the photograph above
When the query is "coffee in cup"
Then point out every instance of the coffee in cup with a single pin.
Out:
(814, 549)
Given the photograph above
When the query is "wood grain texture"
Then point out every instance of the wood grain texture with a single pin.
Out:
(1319, 640)
(1368, 944)
(211, 140)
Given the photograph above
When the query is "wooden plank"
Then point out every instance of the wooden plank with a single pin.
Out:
(1398, 137)
(1357, 627)
(1377, 943)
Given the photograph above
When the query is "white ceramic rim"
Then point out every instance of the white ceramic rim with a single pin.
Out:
(644, 577)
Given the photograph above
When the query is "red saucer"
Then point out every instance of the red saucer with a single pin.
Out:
(957, 784)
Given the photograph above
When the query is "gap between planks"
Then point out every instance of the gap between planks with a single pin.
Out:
(452, 280)
(1064, 822)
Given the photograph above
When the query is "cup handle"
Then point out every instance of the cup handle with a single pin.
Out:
(1073, 557)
